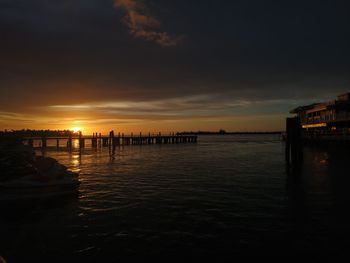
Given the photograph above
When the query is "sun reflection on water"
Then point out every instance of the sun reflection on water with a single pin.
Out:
(75, 143)
(76, 162)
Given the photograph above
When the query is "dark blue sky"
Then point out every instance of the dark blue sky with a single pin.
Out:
(238, 65)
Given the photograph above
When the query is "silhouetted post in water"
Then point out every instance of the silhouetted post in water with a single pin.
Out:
(81, 140)
(159, 139)
(43, 142)
(294, 151)
(69, 142)
(112, 142)
(57, 143)
(104, 142)
(94, 140)
(99, 140)
(110, 139)
(118, 138)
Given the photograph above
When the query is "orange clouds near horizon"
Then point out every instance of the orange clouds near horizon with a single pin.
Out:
(191, 113)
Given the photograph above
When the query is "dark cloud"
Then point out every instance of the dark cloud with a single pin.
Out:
(73, 52)
(143, 25)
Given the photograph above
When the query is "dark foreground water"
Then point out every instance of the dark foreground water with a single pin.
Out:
(225, 196)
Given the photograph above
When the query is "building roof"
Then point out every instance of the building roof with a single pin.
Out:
(303, 108)
(343, 99)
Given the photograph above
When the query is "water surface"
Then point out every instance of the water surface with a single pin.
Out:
(224, 195)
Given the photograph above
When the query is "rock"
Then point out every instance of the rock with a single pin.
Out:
(44, 163)
(19, 161)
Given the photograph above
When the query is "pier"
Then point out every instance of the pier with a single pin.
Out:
(112, 140)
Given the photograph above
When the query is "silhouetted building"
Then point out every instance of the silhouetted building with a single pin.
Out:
(332, 117)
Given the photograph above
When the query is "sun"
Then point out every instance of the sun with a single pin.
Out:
(76, 129)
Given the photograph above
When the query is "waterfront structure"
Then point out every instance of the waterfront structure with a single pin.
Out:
(111, 140)
(326, 118)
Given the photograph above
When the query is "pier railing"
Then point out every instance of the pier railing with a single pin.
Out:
(111, 140)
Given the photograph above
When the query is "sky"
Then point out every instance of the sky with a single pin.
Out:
(161, 65)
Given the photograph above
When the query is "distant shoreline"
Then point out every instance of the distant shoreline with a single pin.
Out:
(67, 133)
(227, 133)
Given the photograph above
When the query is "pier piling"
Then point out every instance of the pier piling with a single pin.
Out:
(43, 143)
(293, 150)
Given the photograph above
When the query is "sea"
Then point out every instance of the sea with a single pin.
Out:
(225, 196)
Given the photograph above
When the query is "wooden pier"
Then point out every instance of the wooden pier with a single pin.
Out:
(112, 140)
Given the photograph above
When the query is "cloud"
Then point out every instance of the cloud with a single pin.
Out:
(143, 25)
(203, 106)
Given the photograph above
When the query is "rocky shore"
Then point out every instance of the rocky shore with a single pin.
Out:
(20, 166)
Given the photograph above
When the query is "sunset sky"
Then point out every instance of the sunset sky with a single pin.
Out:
(161, 65)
